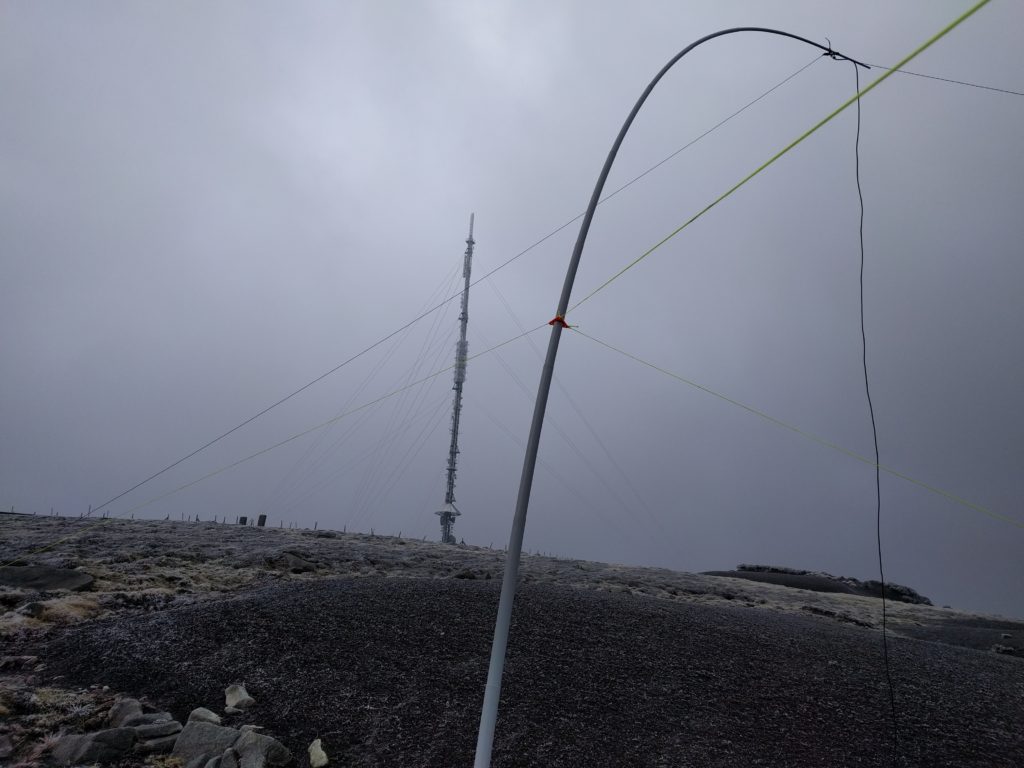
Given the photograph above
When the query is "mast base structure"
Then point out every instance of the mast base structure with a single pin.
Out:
(449, 511)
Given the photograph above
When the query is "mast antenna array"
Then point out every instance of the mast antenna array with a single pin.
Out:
(449, 511)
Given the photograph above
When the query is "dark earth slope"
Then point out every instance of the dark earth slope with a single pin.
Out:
(390, 672)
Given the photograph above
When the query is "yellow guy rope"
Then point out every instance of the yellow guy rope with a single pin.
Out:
(853, 99)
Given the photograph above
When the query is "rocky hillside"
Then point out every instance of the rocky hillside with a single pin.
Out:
(378, 647)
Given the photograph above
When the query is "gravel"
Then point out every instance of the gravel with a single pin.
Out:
(390, 672)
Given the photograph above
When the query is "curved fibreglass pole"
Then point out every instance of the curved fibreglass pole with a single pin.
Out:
(492, 692)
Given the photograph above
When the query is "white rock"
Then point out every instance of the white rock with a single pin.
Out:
(203, 715)
(237, 697)
(317, 756)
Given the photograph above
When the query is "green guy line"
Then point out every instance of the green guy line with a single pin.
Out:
(924, 46)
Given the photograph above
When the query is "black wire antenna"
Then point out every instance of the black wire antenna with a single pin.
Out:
(874, 435)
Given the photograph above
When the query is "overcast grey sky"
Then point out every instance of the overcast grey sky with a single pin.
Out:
(203, 206)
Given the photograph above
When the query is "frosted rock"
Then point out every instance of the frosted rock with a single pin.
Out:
(100, 747)
(203, 715)
(237, 697)
(123, 711)
(317, 756)
(148, 731)
(258, 751)
(199, 742)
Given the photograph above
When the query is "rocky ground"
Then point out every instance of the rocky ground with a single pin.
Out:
(378, 646)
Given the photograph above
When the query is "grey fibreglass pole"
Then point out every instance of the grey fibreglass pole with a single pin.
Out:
(492, 692)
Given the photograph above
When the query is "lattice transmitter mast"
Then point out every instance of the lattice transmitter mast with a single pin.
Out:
(449, 511)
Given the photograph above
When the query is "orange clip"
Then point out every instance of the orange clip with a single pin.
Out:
(558, 320)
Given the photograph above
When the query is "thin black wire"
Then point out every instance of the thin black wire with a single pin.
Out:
(715, 127)
(955, 82)
(433, 309)
(874, 434)
(637, 178)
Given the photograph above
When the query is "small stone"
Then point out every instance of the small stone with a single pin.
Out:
(245, 728)
(124, 710)
(317, 756)
(6, 746)
(155, 730)
(292, 562)
(232, 711)
(236, 696)
(153, 746)
(33, 610)
(203, 715)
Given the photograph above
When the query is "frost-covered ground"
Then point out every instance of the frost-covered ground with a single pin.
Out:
(379, 645)
(154, 563)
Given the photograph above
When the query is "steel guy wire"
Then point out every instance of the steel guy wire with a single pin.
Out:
(95, 522)
(430, 311)
(589, 504)
(808, 435)
(306, 466)
(624, 476)
(565, 437)
(954, 82)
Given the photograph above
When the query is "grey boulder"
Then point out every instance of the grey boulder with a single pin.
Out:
(123, 711)
(100, 747)
(148, 731)
(293, 563)
(148, 719)
(258, 751)
(203, 715)
(199, 742)
(153, 746)
(43, 578)
(205, 745)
